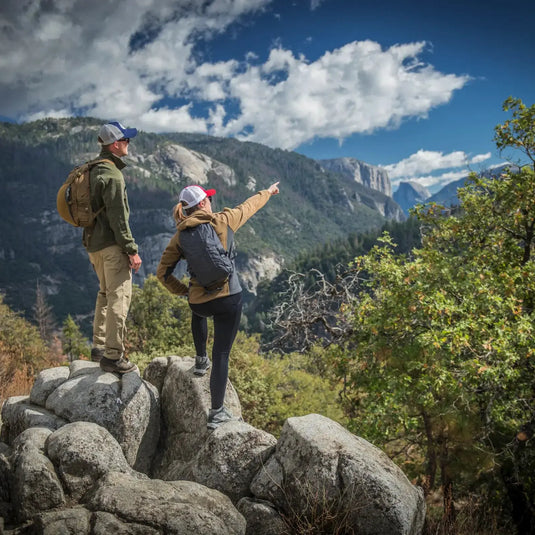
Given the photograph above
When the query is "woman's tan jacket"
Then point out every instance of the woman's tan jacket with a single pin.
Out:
(232, 218)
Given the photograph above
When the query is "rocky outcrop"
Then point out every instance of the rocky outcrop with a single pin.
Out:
(168, 506)
(255, 269)
(73, 474)
(36, 486)
(410, 194)
(316, 460)
(368, 175)
(183, 437)
(180, 164)
(82, 452)
(129, 408)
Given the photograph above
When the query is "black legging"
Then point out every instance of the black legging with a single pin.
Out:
(226, 312)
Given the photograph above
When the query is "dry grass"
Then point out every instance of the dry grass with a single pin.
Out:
(16, 379)
(18, 384)
(317, 512)
(473, 517)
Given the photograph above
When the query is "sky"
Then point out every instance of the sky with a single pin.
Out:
(415, 86)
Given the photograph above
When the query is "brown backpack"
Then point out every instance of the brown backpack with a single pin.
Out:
(74, 196)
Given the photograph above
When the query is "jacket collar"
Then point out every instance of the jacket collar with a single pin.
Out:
(115, 159)
(197, 218)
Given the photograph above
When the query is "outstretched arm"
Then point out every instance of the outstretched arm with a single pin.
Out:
(236, 217)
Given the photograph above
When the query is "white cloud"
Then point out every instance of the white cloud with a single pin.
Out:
(437, 180)
(419, 166)
(426, 161)
(357, 88)
(111, 61)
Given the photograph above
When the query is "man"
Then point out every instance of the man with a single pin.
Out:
(111, 249)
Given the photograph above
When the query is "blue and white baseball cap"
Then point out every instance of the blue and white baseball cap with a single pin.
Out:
(114, 131)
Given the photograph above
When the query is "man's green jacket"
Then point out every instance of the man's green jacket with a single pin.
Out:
(108, 190)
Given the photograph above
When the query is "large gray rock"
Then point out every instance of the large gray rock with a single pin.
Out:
(230, 458)
(72, 521)
(106, 523)
(18, 414)
(46, 382)
(261, 517)
(35, 485)
(80, 521)
(126, 406)
(172, 507)
(185, 405)
(5, 483)
(318, 462)
(83, 452)
(156, 371)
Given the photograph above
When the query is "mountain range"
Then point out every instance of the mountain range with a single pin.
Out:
(316, 205)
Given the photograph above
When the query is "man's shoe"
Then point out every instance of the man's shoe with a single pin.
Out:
(202, 364)
(217, 417)
(96, 354)
(121, 365)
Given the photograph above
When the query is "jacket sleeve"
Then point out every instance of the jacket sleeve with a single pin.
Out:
(118, 212)
(237, 217)
(170, 258)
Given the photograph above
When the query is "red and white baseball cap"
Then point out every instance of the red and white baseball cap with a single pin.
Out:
(193, 195)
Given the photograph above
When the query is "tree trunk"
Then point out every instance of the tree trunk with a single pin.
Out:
(431, 464)
(448, 517)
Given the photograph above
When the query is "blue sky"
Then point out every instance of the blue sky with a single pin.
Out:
(416, 87)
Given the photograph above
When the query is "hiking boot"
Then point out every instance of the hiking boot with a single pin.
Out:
(202, 364)
(122, 365)
(217, 417)
(96, 354)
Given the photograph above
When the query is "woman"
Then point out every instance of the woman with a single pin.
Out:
(222, 301)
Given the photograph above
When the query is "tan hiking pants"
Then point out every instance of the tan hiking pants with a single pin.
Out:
(113, 299)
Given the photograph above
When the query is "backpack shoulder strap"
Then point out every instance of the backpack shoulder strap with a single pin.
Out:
(230, 243)
(92, 164)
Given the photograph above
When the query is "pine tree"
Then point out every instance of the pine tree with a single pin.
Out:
(43, 315)
(74, 344)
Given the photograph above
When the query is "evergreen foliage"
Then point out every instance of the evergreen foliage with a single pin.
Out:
(328, 259)
(158, 321)
(73, 342)
(441, 365)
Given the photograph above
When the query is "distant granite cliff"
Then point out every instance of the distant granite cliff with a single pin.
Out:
(368, 175)
(410, 194)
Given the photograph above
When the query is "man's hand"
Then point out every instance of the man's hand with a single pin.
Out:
(135, 262)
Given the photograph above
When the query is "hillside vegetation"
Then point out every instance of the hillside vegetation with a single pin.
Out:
(36, 246)
(434, 351)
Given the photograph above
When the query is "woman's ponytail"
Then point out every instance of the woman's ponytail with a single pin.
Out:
(178, 213)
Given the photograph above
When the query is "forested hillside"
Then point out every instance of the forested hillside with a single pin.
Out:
(315, 206)
(328, 259)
